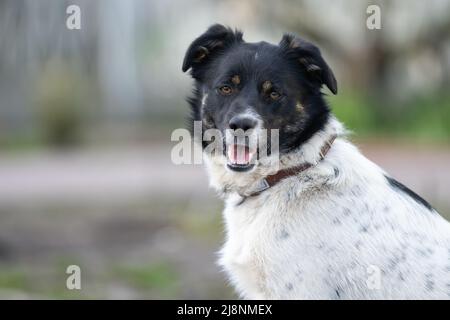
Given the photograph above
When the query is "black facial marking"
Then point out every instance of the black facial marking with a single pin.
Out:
(402, 188)
(270, 87)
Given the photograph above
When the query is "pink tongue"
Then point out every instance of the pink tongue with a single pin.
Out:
(239, 154)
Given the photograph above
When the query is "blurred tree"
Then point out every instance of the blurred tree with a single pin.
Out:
(369, 59)
(59, 107)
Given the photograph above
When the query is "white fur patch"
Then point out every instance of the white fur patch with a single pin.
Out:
(319, 234)
(205, 96)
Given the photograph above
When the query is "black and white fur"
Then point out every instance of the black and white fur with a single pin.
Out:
(323, 233)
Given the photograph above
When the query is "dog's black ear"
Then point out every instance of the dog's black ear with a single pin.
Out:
(216, 39)
(311, 60)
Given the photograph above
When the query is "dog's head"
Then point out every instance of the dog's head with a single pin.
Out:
(255, 86)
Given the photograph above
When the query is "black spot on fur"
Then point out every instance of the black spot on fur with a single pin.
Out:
(403, 256)
(429, 283)
(391, 225)
(396, 259)
(283, 235)
(364, 229)
(339, 194)
(299, 275)
(356, 191)
(393, 262)
(338, 293)
(289, 286)
(358, 244)
(423, 252)
(336, 221)
(400, 187)
(336, 172)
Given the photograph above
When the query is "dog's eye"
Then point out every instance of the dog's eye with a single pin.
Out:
(225, 90)
(275, 95)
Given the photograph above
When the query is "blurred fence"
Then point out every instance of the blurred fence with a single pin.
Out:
(123, 65)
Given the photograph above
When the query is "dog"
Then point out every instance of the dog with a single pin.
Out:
(325, 222)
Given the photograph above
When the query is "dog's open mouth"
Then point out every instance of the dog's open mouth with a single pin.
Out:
(240, 158)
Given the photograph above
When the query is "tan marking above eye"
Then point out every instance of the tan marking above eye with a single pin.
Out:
(299, 107)
(266, 86)
(236, 79)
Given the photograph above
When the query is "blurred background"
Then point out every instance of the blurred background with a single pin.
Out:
(86, 117)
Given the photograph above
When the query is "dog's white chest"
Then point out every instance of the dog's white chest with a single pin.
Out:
(260, 254)
(242, 255)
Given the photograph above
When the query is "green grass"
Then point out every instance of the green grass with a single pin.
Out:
(13, 279)
(160, 277)
(355, 112)
(425, 118)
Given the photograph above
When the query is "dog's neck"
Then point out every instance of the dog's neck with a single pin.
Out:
(226, 181)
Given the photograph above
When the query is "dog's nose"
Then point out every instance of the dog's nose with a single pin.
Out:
(242, 122)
